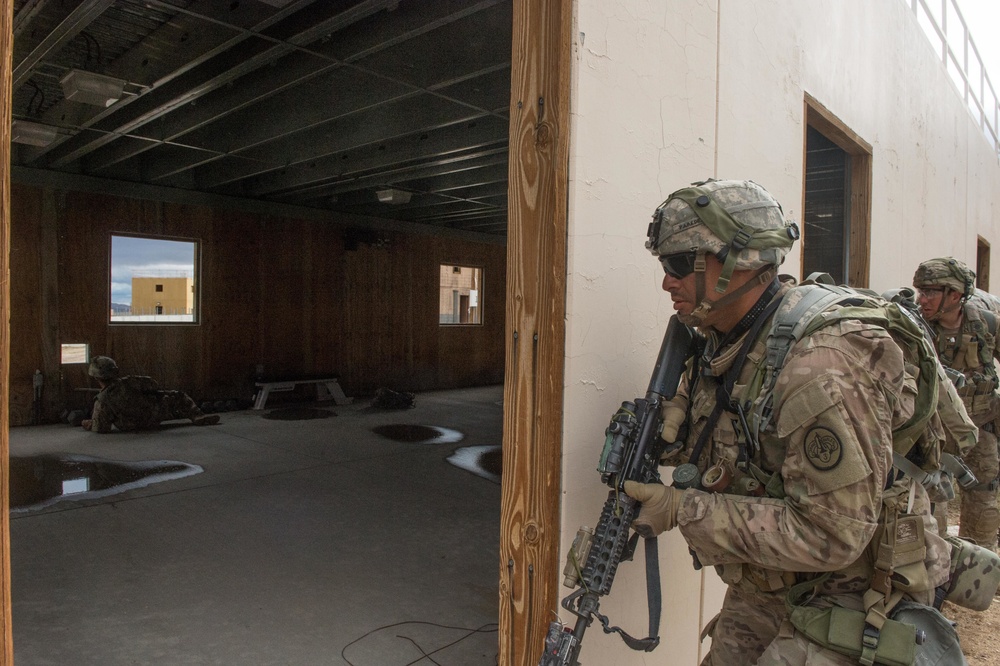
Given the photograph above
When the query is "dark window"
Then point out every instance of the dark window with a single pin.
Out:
(826, 217)
(983, 264)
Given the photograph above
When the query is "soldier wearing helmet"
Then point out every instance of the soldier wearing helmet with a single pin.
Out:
(807, 475)
(965, 337)
(136, 402)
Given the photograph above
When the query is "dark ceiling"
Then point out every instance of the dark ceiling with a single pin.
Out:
(313, 103)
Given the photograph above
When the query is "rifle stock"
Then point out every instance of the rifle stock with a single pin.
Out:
(632, 451)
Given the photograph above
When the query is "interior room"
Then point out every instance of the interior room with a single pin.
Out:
(224, 196)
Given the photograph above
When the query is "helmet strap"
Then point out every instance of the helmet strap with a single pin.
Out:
(762, 275)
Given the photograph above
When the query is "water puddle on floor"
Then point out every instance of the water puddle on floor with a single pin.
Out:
(419, 434)
(484, 461)
(40, 481)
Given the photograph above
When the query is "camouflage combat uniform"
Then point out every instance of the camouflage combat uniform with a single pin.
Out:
(136, 403)
(972, 351)
(814, 491)
(836, 401)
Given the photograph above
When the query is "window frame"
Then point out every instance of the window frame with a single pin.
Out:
(196, 277)
(859, 157)
(442, 265)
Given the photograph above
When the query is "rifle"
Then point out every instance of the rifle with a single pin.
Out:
(632, 450)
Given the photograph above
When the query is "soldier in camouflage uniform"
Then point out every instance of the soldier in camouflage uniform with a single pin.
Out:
(827, 447)
(965, 332)
(136, 402)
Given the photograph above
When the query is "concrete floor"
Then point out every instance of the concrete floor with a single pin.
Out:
(301, 542)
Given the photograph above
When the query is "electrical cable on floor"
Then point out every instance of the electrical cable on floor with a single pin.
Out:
(490, 627)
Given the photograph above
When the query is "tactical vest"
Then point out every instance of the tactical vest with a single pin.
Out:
(802, 311)
(970, 351)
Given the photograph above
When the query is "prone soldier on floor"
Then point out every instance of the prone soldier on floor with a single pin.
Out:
(135, 402)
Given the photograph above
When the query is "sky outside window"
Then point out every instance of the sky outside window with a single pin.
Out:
(134, 257)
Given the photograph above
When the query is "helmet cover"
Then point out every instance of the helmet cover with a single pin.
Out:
(103, 368)
(946, 272)
(720, 217)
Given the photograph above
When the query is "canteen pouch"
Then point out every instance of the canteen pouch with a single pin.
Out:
(842, 630)
(975, 575)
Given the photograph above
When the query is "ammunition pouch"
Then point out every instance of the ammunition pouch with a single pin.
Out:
(846, 632)
(898, 550)
(908, 625)
(975, 575)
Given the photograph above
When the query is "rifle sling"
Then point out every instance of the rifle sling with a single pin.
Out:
(653, 598)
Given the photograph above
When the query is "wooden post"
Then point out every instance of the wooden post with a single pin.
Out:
(6, 73)
(535, 328)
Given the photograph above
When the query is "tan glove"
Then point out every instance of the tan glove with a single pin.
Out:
(673, 416)
(660, 505)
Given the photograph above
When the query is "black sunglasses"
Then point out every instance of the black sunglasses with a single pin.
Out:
(679, 264)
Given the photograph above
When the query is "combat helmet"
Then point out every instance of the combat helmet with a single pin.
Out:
(946, 272)
(103, 368)
(737, 221)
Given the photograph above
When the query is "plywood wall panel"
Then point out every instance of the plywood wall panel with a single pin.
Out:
(296, 297)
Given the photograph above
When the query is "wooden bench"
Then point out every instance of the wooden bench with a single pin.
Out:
(326, 388)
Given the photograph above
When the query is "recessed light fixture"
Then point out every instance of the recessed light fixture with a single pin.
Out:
(91, 88)
(393, 196)
(32, 134)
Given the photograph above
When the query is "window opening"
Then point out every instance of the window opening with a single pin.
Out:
(74, 353)
(837, 198)
(983, 264)
(461, 295)
(153, 280)
(826, 216)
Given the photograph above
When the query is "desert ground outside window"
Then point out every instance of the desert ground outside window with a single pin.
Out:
(153, 280)
(73, 353)
(461, 290)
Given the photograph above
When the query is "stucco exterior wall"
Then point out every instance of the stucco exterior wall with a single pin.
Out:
(666, 93)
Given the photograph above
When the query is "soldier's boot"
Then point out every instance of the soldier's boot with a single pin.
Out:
(205, 419)
(980, 519)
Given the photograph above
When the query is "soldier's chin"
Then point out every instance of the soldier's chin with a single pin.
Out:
(690, 319)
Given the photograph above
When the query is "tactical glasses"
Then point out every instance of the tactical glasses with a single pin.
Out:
(927, 293)
(679, 264)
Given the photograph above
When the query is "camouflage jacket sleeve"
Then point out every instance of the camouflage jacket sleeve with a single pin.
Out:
(836, 400)
(103, 416)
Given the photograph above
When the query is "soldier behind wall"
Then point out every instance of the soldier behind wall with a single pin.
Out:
(820, 455)
(965, 333)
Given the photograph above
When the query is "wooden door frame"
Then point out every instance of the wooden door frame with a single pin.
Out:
(859, 155)
(537, 226)
(6, 74)
(982, 263)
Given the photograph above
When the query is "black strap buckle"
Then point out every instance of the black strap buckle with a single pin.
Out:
(741, 240)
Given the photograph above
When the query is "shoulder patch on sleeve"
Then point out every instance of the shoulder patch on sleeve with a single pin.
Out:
(823, 448)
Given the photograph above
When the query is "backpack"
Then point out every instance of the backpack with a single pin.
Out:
(813, 305)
